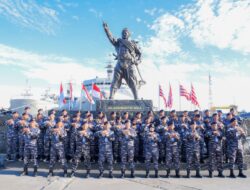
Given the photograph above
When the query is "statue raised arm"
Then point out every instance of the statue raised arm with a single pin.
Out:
(109, 34)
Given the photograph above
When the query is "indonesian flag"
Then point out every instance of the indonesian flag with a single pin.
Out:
(70, 91)
(184, 92)
(62, 100)
(161, 94)
(193, 97)
(96, 92)
(87, 95)
(170, 98)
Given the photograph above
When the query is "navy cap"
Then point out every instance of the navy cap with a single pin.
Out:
(170, 123)
(214, 123)
(232, 120)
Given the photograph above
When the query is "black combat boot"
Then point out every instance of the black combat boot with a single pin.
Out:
(168, 173)
(132, 175)
(241, 174)
(65, 173)
(156, 174)
(177, 173)
(100, 174)
(51, 173)
(25, 171)
(188, 173)
(122, 173)
(72, 174)
(35, 171)
(88, 174)
(8, 157)
(147, 174)
(232, 174)
(202, 161)
(111, 174)
(220, 174)
(198, 175)
(17, 157)
(210, 174)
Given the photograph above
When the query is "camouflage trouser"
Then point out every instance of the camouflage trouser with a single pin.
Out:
(94, 149)
(105, 155)
(202, 148)
(67, 145)
(172, 155)
(162, 149)
(127, 155)
(11, 145)
(72, 144)
(30, 152)
(21, 144)
(183, 149)
(193, 156)
(47, 146)
(116, 148)
(136, 148)
(233, 154)
(152, 153)
(215, 157)
(85, 152)
(57, 150)
(40, 144)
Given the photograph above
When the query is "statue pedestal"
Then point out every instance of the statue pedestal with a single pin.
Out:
(124, 105)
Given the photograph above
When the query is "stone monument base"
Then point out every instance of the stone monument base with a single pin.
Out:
(124, 105)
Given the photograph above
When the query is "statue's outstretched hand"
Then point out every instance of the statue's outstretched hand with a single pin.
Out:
(105, 25)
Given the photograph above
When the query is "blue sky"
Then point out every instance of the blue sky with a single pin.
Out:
(181, 40)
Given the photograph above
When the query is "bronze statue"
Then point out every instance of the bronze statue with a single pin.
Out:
(128, 56)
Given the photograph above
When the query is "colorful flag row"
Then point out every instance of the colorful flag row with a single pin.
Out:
(96, 92)
(190, 96)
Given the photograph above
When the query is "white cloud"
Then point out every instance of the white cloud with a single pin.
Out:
(223, 24)
(167, 28)
(138, 19)
(97, 14)
(50, 68)
(75, 17)
(151, 12)
(30, 14)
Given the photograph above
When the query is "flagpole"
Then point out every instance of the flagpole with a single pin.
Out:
(80, 106)
(158, 97)
(179, 98)
(91, 96)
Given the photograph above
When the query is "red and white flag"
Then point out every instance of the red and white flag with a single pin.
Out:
(87, 95)
(161, 94)
(170, 98)
(70, 91)
(184, 92)
(193, 97)
(62, 99)
(96, 92)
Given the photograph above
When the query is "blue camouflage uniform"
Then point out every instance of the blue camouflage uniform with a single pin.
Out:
(172, 150)
(20, 127)
(127, 148)
(83, 149)
(193, 149)
(151, 149)
(105, 149)
(30, 145)
(49, 125)
(57, 148)
(215, 150)
(234, 147)
(12, 136)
